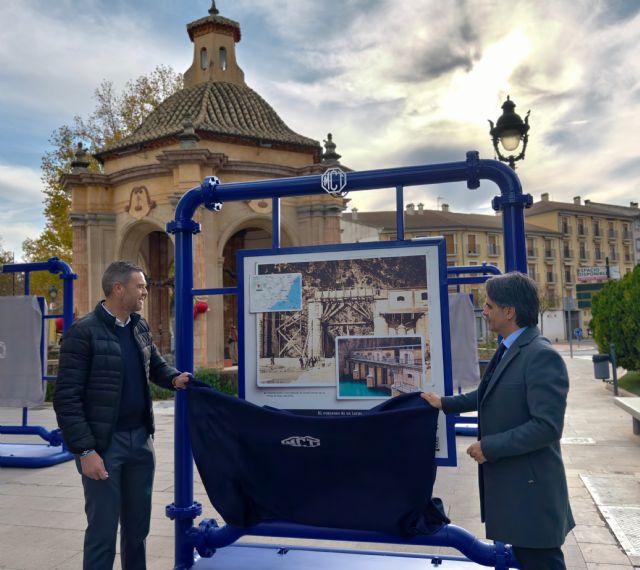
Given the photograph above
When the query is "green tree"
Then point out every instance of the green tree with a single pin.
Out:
(115, 116)
(548, 302)
(616, 319)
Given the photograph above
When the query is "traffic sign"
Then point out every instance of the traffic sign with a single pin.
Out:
(584, 293)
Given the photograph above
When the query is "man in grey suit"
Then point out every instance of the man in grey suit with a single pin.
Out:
(521, 402)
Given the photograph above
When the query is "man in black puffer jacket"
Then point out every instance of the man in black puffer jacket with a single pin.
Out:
(103, 406)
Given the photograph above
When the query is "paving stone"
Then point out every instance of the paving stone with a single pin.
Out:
(41, 511)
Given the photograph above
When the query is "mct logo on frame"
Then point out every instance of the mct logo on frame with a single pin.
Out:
(301, 441)
(3, 350)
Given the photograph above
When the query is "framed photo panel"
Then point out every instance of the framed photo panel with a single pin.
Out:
(335, 330)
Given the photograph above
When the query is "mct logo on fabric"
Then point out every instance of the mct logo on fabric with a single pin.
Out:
(3, 350)
(301, 441)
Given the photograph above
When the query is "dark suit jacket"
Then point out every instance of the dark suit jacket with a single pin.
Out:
(523, 487)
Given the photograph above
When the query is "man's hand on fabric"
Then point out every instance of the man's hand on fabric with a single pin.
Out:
(180, 382)
(93, 467)
(433, 399)
(475, 452)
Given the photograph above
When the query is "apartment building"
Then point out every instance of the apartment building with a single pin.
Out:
(592, 235)
(560, 238)
(471, 239)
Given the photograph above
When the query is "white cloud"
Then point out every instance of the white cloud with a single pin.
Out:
(19, 184)
(21, 209)
(51, 61)
(395, 82)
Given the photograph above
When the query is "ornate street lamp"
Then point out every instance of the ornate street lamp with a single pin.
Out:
(509, 130)
(53, 294)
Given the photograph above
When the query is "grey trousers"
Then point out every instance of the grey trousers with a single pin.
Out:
(126, 497)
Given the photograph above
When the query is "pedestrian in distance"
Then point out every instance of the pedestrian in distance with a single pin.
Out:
(104, 409)
(521, 403)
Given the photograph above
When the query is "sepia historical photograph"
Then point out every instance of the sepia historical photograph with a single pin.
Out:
(379, 367)
(377, 297)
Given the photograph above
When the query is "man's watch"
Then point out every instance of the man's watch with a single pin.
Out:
(87, 452)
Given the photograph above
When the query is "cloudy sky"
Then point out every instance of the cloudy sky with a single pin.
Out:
(397, 82)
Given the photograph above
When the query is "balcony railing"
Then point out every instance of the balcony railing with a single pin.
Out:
(494, 250)
(472, 251)
(626, 235)
(612, 234)
(582, 231)
(567, 253)
(599, 256)
(566, 229)
(549, 253)
(532, 252)
(551, 277)
(613, 256)
(597, 232)
(628, 257)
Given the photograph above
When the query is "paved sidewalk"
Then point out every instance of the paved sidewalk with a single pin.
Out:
(42, 519)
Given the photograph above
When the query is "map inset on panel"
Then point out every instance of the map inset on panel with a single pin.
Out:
(277, 292)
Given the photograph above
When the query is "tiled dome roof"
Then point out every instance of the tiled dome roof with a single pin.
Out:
(218, 109)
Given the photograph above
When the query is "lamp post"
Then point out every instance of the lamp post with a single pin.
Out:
(509, 130)
(53, 294)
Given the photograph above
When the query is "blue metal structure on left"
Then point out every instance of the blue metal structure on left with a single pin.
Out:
(212, 194)
(36, 455)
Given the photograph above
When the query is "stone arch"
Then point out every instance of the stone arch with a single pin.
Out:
(288, 237)
(256, 230)
(147, 244)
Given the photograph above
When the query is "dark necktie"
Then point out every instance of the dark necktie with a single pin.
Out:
(493, 363)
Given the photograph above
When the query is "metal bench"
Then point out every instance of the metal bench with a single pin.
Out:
(631, 405)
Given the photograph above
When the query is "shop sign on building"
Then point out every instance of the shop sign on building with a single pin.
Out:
(598, 273)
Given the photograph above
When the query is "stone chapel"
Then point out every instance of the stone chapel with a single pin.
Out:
(216, 125)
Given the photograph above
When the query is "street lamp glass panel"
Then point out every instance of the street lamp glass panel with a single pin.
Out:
(510, 142)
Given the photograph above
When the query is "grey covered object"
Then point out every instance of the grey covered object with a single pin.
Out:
(20, 360)
(464, 343)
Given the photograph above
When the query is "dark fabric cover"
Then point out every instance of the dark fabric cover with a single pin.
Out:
(89, 383)
(370, 472)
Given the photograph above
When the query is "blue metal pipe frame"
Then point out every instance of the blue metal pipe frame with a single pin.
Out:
(213, 195)
(54, 437)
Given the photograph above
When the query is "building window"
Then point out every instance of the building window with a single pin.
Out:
(583, 250)
(598, 252)
(424, 296)
(582, 227)
(472, 245)
(493, 247)
(551, 278)
(531, 248)
(596, 229)
(613, 254)
(223, 58)
(548, 249)
(400, 298)
(531, 271)
(451, 244)
(568, 277)
(565, 226)
(204, 59)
